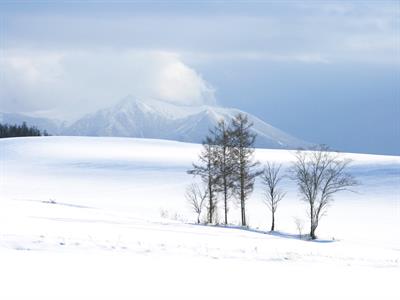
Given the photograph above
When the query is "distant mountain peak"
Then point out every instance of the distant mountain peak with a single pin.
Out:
(151, 118)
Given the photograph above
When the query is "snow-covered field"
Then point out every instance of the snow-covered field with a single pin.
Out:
(106, 218)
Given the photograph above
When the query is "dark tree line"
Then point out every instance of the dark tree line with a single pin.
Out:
(228, 171)
(7, 130)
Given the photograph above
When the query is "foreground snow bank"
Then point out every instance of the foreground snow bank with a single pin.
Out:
(81, 218)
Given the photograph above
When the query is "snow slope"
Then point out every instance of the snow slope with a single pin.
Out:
(105, 218)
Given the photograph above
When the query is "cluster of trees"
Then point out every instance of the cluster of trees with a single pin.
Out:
(226, 167)
(7, 130)
(228, 170)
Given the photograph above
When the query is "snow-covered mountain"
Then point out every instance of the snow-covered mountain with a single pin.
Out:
(161, 120)
(157, 120)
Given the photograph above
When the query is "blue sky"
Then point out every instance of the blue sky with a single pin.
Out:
(324, 71)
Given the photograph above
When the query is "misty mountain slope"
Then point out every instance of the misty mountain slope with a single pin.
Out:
(53, 127)
(161, 120)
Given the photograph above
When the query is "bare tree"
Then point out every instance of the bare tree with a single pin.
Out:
(196, 197)
(208, 172)
(226, 164)
(271, 178)
(243, 150)
(299, 225)
(319, 175)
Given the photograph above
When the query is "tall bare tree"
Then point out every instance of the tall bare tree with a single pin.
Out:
(195, 195)
(243, 150)
(225, 161)
(207, 169)
(271, 178)
(319, 175)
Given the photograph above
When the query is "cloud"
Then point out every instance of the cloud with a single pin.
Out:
(80, 57)
(70, 83)
(176, 82)
(304, 31)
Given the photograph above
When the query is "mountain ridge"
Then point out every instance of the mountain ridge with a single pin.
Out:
(156, 119)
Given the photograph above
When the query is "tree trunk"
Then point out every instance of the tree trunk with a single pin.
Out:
(312, 233)
(226, 204)
(210, 211)
(312, 226)
(243, 210)
(243, 213)
(273, 222)
(211, 208)
(242, 200)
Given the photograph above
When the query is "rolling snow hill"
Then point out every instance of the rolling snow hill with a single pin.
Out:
(106, 218)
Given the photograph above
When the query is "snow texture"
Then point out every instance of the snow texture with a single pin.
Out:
(106, 218)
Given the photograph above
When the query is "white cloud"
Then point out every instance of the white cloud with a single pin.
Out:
(178, 83)
(73, 82)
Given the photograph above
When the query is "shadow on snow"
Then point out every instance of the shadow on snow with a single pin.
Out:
(281, 234)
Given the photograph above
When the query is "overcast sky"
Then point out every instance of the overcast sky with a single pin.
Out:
(324, 71)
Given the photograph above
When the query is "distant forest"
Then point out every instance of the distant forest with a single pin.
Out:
(7, 130)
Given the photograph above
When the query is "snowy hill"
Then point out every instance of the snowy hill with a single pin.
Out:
(162, 120)
(106, 218)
